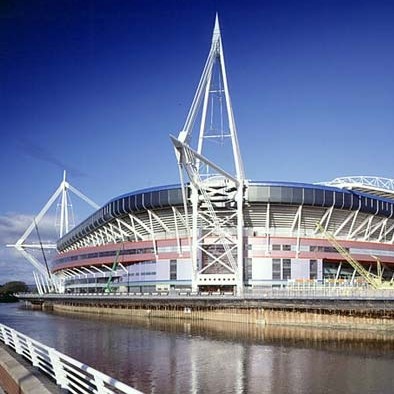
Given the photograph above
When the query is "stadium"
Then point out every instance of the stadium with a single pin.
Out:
(219, 232)
(148, 230)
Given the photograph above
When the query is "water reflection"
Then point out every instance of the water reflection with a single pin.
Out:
(168, 356)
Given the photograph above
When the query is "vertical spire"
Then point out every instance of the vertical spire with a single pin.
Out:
(220, 253)
(216, 30)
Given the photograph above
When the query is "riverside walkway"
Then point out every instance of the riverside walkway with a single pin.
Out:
(318, 306)
(290, 294)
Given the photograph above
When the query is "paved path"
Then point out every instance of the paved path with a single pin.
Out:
(31, 380)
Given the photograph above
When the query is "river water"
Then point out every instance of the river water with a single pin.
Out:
(164, 356)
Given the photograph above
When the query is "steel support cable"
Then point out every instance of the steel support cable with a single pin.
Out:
(197, 97)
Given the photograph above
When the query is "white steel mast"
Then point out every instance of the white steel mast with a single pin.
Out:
(21, 244)
(216, 195)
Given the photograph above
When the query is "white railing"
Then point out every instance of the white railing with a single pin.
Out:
(294, 291)
(68, 373)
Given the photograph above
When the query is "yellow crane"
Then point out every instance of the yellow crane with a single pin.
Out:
(376, 281)
(108, 287)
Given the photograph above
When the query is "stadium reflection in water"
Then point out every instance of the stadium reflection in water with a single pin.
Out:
(176, 357)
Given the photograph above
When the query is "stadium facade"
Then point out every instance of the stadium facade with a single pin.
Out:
(221, 232)
(148, 230)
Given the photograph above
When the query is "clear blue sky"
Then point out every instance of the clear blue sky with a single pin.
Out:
(96, 87)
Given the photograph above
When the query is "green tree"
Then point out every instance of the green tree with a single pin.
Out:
(13, 287)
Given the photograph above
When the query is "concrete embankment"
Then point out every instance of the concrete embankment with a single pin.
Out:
(17, 376)
(361, 314)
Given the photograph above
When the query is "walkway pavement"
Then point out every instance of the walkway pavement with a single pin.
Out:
(30, 379)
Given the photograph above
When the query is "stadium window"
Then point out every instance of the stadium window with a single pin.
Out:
(312, 269)
(276, 266)
(286, 269)
(275, 247)
(248, 270)
(173, 275)
(286, 247)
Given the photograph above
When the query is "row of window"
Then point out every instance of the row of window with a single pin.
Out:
(91, 280)
(143, 273)
(324, 249)
(281, 269)
(312, 248)
(281, 247)
(109, 253)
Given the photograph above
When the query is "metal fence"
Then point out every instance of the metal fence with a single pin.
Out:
(295, 291)
(68, 373)
(321, 292)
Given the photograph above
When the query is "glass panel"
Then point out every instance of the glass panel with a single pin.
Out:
(173, 275)
(319, 197)
(347, 201)
(276, 266)
(328, 198)
(275, 194)
(308, 196)
(338, 199)
(356, 201)
(312, 269)
(138, 202)
(297, 197)
(286, 269)
(155, 199)
(287, 194)
(146, 200)
(258, 193)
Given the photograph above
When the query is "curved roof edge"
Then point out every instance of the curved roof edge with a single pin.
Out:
(258, 191)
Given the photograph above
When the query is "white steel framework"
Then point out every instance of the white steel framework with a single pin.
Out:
(216, 196)
(64, 226)
(377, 185)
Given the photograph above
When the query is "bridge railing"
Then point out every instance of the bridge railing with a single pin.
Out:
(68, 373)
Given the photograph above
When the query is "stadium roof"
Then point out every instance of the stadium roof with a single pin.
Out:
(378, 186)
(365, 198)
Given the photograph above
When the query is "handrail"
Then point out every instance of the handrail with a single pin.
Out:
(68, 373)
(294, 289)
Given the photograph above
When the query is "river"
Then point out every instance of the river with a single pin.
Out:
(164, 356)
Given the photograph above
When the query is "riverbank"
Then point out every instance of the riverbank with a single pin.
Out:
(368, 313)
(251, 316)
(7, 298)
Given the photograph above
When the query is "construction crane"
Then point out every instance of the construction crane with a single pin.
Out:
(375, 281)
(108, 287)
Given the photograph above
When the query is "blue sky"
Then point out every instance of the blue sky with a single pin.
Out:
(96, 87)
